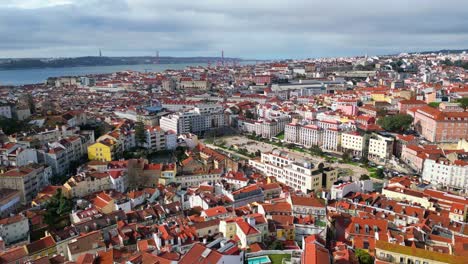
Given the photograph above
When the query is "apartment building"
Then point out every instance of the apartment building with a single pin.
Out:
(10, 201)
(14, 229)
(28, 180)
(187, 83)
(438, 126)
(312, 135)
(157, 139)
(195, 179)
(386, 252)
(5, 110)
(105, 150)
(380, 147)
(294, 172)
(197, 120)
(352, 142)
(16, 155)
(415, 155)
(86, 183)
(59, 155)
(449, 174)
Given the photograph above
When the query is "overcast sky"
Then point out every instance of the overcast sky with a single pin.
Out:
(263, 29)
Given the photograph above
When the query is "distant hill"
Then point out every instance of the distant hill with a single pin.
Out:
(13, 64)
(446, 51)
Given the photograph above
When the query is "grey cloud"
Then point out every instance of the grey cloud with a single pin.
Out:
(254, 29)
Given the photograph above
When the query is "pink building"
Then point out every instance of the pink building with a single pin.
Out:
(404, 105)
(415, 155)
(348, 109)
(437, 126)
(262, 79)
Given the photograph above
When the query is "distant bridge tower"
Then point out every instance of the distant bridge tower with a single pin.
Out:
(100, 53)
(222, 57)
(157, 57)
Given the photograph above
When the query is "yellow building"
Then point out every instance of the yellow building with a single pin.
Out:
(394, 253)
(378, 97)
(103, 151)
(104, 203)
(403, 194)
(284, 225)
(285, 233)
(228, 228)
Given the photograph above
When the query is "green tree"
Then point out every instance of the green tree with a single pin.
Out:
(11, 126)
(395, 123)
(364, 257)
(180, 153)
(364, 177)
(31, 104)
(140, 134)
(463, 102)
(434, 104)
(276, 245)
(58, 209)
(321, 166)
(316, 150)
(249, 114)
(346, 156)
(379, 173)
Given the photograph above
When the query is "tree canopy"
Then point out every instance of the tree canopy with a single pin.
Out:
(363, 256)
(463, 102)
(249, 114)
(364, 177)
(434, 104)
(57, 208)
(395, 123)
(11, 125)
(140, 135)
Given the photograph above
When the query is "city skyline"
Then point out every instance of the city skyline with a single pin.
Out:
(260, 30)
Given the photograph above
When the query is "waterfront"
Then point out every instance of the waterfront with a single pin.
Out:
(30, 76)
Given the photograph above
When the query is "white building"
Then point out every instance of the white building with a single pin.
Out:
(29, 180)
(157, 139)
(5, 111)
(189, 140)
(352, 142)
(449, 174)
(119, 179)
(380, 148)
(197, 120)
(313, 135)
(14, 229)
(339, 191)
(293, 172)
(16, 155)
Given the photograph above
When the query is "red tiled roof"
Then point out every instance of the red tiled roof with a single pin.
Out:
(246, 228)
(201, 255)
(218, 210)
(40, 245)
